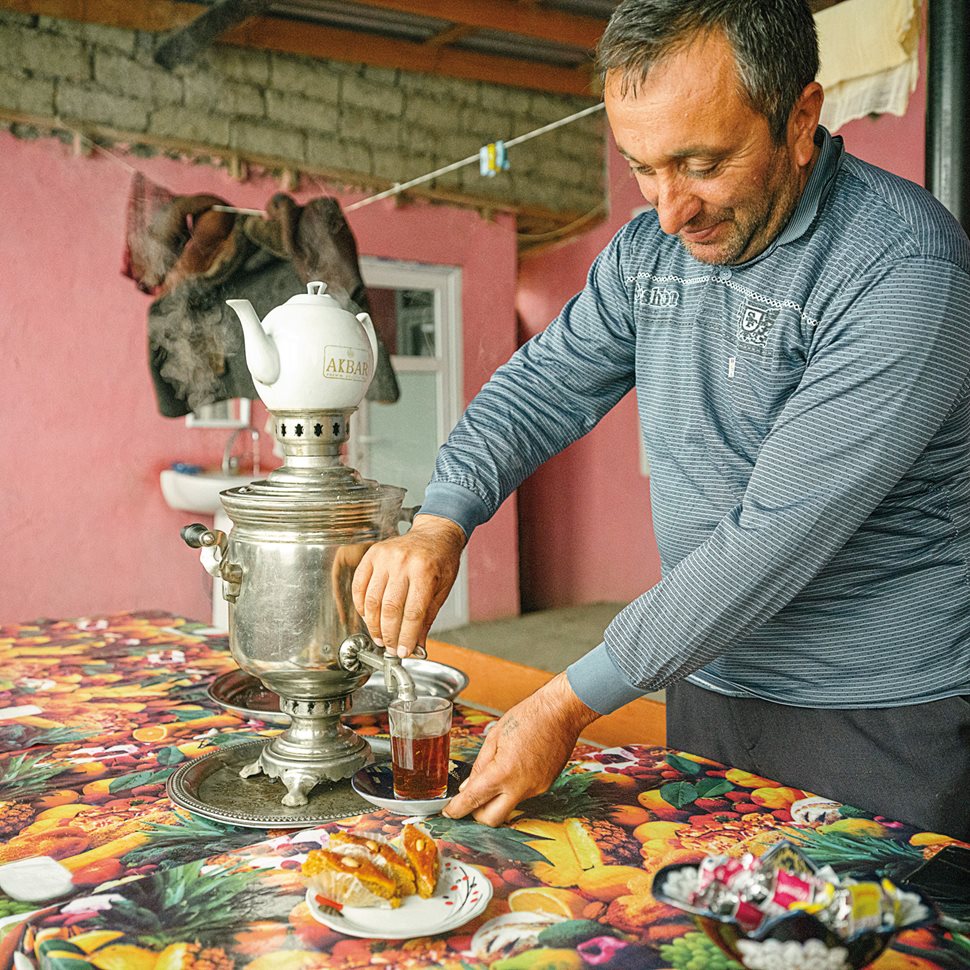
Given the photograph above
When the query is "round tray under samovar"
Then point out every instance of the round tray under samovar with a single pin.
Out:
(211, 786)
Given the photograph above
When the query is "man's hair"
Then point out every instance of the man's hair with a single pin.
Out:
(775, 46)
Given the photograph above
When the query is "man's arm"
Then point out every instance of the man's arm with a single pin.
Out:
(553, 391)
(402, 582)
(877, 389)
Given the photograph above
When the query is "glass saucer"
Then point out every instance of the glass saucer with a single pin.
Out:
(375, 783)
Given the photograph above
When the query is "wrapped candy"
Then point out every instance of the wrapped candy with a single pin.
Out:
(752, 893)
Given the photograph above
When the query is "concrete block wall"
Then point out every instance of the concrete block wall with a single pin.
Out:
(389, 124)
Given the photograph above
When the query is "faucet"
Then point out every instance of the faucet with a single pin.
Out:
(359, 651)
(397, 680)
(230, 462)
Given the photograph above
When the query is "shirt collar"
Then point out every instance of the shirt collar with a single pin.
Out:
(817, 188)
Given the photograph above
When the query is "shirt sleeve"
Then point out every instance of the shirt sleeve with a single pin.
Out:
(880, 381)
(552, 391)
(598, 682)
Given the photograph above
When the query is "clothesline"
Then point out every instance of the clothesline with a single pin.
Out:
(79, 136)
(471, 159)
(395, 189)
(399, 187)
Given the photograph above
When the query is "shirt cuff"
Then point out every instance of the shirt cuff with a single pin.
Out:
(461, 505)
(598, 683)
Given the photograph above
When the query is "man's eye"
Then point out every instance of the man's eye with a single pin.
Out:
(703, 172)
(641, 170)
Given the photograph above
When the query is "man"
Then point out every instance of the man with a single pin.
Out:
(797, 327)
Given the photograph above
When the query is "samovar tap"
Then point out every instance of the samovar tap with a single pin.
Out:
(360, 650)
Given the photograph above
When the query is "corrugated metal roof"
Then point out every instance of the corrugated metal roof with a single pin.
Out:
(523, 48)
(412, 26)
(415, 27)
(543, 45)
(354, 16)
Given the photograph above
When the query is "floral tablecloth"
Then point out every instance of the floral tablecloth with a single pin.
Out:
(99, 869)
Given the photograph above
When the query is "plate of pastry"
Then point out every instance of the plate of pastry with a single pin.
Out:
(368, 886)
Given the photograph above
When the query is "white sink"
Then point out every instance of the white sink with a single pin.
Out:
(198, 492)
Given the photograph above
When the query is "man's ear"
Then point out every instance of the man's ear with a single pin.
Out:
(803, 121)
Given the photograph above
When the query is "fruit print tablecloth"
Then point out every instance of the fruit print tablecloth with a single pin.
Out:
(98, 869)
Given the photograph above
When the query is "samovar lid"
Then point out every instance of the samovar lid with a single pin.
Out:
(334, 496)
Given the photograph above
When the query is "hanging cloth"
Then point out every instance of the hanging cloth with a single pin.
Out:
(192, 258)
(869, 58)
(316, 239)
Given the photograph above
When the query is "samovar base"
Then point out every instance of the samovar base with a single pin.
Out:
(210, 786)
(315, 748)
(300, 775)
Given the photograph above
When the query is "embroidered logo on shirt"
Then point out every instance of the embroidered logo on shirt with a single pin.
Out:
(754, 324)
(659, 296)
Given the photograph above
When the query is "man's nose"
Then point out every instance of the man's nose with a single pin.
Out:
(676, 205)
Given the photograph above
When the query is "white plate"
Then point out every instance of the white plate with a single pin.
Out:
(462, 893)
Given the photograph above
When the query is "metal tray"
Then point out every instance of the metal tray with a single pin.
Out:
(243, 694)
(210, 786)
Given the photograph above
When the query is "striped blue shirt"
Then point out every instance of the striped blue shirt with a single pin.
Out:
(806, 415)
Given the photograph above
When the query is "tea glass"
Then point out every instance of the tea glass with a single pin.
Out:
(420, 742)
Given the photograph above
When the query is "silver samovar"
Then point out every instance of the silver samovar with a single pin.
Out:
(288, 563)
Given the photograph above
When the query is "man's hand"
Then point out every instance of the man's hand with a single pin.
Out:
(402, 582)
(523, 753)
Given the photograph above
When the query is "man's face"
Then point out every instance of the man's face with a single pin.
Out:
(703, 157)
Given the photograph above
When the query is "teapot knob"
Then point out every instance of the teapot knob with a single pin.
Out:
(316, 288)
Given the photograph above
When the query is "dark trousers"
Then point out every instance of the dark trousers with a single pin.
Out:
(910, 764)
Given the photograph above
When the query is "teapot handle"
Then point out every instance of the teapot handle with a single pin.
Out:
(368, 325)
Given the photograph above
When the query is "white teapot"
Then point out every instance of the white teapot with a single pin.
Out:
(309, 353)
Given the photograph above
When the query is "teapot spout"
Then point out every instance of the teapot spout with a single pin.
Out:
(262, 357)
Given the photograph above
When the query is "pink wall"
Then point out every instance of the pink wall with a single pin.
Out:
(584, 517)
(584, 522)
(83, 526)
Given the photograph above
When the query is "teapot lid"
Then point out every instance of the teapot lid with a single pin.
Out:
(315, 295)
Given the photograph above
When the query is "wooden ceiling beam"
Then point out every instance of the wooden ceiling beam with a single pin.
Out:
(156, 16)
(508, 16)
(449, 36)
(312, 40)
(185, 44)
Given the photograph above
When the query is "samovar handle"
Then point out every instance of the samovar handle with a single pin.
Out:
(214, 545)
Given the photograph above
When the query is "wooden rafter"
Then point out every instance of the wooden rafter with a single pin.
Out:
(448, 36)
(312, 40)
(508, 16)
(186, 43)
(156, 16)
(292, 37)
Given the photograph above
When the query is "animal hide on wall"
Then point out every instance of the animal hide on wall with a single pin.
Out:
(192, 259)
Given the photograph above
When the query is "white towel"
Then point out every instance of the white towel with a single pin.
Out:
(869, 58)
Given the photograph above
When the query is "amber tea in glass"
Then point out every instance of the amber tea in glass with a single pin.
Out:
(420, 736)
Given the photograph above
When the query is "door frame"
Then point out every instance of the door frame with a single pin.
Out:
(447, 364)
